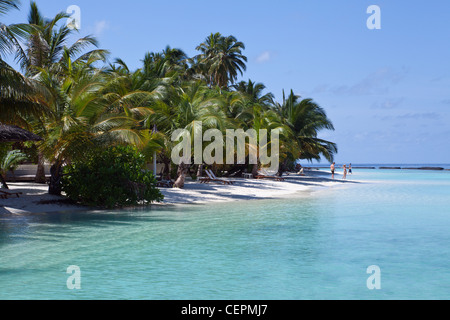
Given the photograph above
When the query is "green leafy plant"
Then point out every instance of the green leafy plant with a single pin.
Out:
(112, 178)
(11, 160)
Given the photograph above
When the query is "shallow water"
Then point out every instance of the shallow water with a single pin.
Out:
(316, 246)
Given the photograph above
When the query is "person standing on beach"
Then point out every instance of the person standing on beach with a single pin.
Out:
(350, 168)
(332, 170)
(345, 172)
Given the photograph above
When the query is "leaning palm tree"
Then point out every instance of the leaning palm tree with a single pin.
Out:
(306, 119)
(254, 111)
(223, 59)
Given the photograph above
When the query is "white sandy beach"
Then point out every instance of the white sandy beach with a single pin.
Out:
(35, 198)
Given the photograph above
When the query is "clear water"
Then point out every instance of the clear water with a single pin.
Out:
(315, 246)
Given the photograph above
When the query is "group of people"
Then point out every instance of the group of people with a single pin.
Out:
(344, 175)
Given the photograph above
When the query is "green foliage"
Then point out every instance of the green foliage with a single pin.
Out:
(4, 148)
(113, 178)
(11, 160)
(65, 95)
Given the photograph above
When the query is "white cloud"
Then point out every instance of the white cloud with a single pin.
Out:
(100, 27)
(264, 57)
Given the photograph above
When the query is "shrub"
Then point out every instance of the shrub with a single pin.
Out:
(11, 160)
(112, 178)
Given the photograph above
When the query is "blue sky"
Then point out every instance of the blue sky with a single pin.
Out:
(386, 91)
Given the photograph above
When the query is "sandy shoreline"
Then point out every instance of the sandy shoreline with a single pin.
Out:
(35, 198)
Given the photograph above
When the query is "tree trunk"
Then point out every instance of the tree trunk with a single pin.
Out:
(282, 168)
(3, 182)
(179, 183)
(255, 170)
(54, 186)
(40, 173)
(166, 171)
(200, 171)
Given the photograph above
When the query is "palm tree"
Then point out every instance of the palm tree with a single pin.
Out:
(129, 97)
(306, 119)
(46, 45)
(86, 117)
(248, 108)
(47, 52)
(254, 92)
(184, 107)
(20, 97)
(170, 63)
(223, 59)
(10, 35)
(11, 161)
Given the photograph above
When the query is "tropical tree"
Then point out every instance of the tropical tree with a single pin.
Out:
(47, 53)
(222, 58)
(254, 92)
(171, 62)
(93, 109)
(47, 45)
(130, 97)
(306, 119)
(10, 161)
(10, 35)
(185, 107)
(78, 105)
(20, 97)
(248, 108)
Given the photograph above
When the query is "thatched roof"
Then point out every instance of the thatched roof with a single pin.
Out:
(10, 133)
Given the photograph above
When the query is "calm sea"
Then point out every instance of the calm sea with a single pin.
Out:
(318, 245)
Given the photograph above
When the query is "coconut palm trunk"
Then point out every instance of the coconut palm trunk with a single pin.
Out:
(282, 168)
(166, 169)
(200, 170)
(54, 186)
(179, 183)
(255, 170)
(3, 182)
(40, 173)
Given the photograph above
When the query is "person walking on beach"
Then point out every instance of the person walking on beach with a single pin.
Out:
(332, 170)
(345, 172)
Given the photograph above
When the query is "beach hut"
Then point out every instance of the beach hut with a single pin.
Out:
(11, 133)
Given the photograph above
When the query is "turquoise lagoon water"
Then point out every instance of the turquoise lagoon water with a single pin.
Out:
(314, 246)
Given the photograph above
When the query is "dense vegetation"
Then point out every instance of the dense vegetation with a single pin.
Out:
(115, 177)
(72, 97)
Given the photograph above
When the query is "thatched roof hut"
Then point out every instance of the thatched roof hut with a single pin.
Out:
(11, 133)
